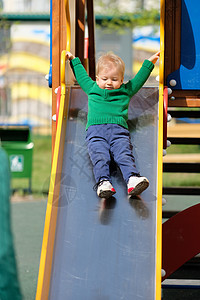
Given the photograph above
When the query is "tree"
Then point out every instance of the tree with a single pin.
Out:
(118, 14)
(113, 6)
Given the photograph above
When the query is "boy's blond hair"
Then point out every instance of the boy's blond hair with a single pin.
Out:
(109, 59)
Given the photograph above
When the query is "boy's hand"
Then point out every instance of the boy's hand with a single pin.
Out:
(154, 57)
(69, 55)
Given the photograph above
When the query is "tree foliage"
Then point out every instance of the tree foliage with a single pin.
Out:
(112, 17)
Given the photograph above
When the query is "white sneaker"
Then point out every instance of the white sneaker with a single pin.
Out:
(136, 185)
(105, 189)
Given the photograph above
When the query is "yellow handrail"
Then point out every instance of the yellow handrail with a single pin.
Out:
(68, 46)
(68, 43)
(62, 72)
(160, 156)
(44, 276)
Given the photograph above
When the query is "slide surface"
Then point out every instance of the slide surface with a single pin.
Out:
(106, 249)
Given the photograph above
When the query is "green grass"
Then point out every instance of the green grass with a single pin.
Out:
(182, 179)
(41, 164)
(42, 168)
(183, 149)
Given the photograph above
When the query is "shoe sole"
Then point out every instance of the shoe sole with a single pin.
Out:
(106, 194)
(140, 187)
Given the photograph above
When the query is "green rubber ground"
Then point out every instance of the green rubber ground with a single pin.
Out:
(28, 223)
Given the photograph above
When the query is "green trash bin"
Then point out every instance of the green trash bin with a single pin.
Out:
(9, 280)
(16, 140)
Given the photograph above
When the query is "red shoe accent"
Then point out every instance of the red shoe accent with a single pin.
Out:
(113, 190)
(130, 190)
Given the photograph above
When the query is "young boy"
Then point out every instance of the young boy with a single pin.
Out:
(107, 129)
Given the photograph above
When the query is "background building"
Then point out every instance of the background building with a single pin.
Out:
(25, 6)
(43, 6)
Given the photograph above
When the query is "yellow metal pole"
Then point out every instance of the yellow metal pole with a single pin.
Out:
(160, 158)
(44, 275)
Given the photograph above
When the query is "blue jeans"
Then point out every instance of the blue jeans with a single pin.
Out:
(106, 141)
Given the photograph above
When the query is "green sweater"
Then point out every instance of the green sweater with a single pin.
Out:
(109, 106)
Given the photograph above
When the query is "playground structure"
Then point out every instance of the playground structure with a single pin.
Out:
(118, 250)
(181, 58)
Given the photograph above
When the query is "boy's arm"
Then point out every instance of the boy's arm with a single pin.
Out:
(85, 82)
(154, 57)
(141, 77)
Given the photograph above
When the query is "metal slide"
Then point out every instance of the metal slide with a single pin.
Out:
(106, 249)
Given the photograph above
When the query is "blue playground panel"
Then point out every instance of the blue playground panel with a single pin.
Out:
(188, 75)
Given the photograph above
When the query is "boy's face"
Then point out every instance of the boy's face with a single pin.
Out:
(109, 78)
